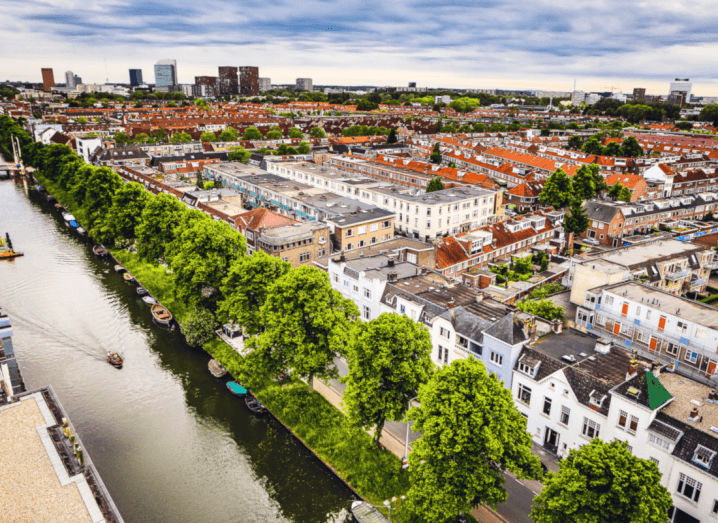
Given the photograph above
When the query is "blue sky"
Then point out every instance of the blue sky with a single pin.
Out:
(541, 44)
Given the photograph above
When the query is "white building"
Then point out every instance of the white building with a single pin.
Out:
(86, 146)
(683, 85)
(304, 84)
(592, 98)
(265, 84)
(578, 97)
(446, 99)
(69, 79)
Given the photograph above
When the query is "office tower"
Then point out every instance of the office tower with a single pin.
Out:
(249, 81)
(69, 79)
(639, 93)
(78, 80)
(166, 74)
(206, 86)
(48, 79)
(136, 77)
(265, 84)
(304, 84)
(228, 81)
(682, 85)
(412, 84)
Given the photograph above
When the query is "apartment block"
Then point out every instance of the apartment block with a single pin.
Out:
(228, 81)
(248, 81)
(360, 229)
(48, 79)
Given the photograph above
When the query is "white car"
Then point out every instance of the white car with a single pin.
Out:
(591, 241)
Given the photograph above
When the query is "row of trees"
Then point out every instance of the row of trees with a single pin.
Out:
(228, 135)
(629, 148)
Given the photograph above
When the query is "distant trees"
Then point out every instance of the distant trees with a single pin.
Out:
(208, 137)
(392, 136)
(436, 154)
(709, 113)
(230, 134)
(295, 133)
(544, 308)
(435, 184)
(557, 191)
(158, 226)
(317, 132)
(252, 133)
(303, 147)
(180, 137)
(577, 220)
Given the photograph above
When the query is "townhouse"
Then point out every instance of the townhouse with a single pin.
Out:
(635, 183)
(525, 196)
(360, 229)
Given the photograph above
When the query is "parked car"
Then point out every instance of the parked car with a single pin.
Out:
(591, 241)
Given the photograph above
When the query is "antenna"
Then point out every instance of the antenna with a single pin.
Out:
(107, 78)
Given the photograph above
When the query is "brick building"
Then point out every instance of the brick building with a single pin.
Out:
(228, 81)
(525, 197)
(362, 228)
(48, 79)
(248, 81)
(206, 86)
(635, 183)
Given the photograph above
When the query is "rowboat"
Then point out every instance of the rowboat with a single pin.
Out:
(367, 513)
(68, 217)
(59, 207)
(236, 389)
(149, 300)
(73, 224)
(142, 291)
(161, 314)
(216, 369)
(114, 359)
(128, 277)
(80, 230)
(99, 251)
(119, 268)
(254, 404)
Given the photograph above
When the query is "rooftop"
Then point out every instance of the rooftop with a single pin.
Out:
(377, 267)
(639, 254)
(684, 391)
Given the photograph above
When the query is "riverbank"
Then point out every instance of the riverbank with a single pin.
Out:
(348, 451)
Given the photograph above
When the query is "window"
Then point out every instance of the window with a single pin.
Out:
(689, 487)
(700, 334)
(346, 284)
(703, 456)
(600, 319)
(565, 414)
(672, 349)
(691, 356)
(547, 406)
(444, 333)
(633, 425)
(386, 224)
(714, 510)
(638, 311)
(622, 419)
(350, 246)
(524, 394)
(367, 293)
(362, 230)
(526, 369)
(609, 300)
(366, 313)
(648, 315)
(643, 337)
(591, 429)
(497, 358)
(654, 460)
(349, 233)
(682, 327)
(659, 441)
(335, 277)
(355, 288)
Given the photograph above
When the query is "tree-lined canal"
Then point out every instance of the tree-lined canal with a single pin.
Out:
(170, 442)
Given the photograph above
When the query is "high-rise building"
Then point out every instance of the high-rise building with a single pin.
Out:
(683, 85)
(249, 81)
(48, 79)
(304, 84)
(412, 84)
(228, 81)
(677, 98)
(69, 79)
(136, 77)
(166, 74)
(265, 84)
(639, 93)
(78, 80)
(577, 98)
(206, 86)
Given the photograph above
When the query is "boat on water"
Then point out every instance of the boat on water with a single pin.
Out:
(367, 513)
(114, 359)
(216, 369)
(236, 389)
(254, 405)
(68, 217)
(6, 250)
(80, 230)
(119, 268)
(40, 188)
(128, 277)
(73, 224)
(99, 251)
(161, 314)
(59, 207)
(142, 291)
(149, 300)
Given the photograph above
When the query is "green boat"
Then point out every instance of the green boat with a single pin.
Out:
(236, 389)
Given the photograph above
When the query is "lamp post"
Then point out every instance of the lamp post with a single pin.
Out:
(388, 504)
(405, 459)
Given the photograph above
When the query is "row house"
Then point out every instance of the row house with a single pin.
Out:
(184, 166)
(695, 181)
(298, 243)
(581, 388)
(465, 256)
(360, 229)
(525, 197)
(635, 183)
(541, 166)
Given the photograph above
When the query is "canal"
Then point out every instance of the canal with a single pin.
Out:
(170, 442)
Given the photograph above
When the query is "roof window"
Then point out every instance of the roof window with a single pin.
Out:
(703, 456)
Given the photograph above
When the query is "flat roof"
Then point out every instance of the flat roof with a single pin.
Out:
(640, 254)
(683, 391)
(568, 343)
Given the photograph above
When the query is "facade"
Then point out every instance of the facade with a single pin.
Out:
(681, 85)
(69, 79)
(228, 81)
(304, 84)
(206, 85)
(248, 81)
(166, 74)
(48, 79)
(265, 84)
(360, 229)
(136, 77)
(639, 93)
(525, 196)
(298, 244)
(87, 146)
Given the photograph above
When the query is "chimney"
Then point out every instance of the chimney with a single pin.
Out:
(479, 298)
(656, 368)
(342, 258)
(713, 396)
(391, 276)
(693, 416)
(603, 346)
(532, 332)
(632, 368)
(423, 270)
(452, 303)
(391, 262)
(556, 326)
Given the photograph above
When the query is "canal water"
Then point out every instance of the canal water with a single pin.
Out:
(170, 442)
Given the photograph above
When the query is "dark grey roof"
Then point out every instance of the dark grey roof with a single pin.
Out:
(467, 324)
(686, 447)
(364, 215)
(601, 212)
(123, 154)
(508, 329)
(663, 429)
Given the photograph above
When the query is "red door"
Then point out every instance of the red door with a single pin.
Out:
(616, 328)
(662, 323)
(652, 344)
(624, 309)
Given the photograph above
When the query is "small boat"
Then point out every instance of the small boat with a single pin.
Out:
(73, 224)
(50, 198)
(68, 217)
(149, 300)
(367, 513)
(59, 207)
(81, 231)
(119, 268)
(99, 251)
(40, 188)
(114, 359)
(128, 277)
(236, 389)
(216, 369)
(254, 404)
(161, 314)
(142, 291)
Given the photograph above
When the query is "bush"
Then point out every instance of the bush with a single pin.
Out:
(199, 327)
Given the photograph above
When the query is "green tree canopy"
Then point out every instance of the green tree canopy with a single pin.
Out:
(603, 483)
(389, 358)
(295, 133)
(230, 134)
(252, 133)
(593, 146)
(316, 132)
(435, 184)
(542, 308)
(307, 325)
(208, 137)
(160, 218)
(274, 135)
(125, 214)
(141, 138)
(303, 147)
(239, 154)
(436, 154)
(709, 113)
(158, 135)
(575, 143)
(100, 189)
(470, 433)
(631, 148)
(181, 137)
(557, 191)
(392, 136)
(576, 221)
(615, 190)
(583, 182)
(122, 138)
(625, 195)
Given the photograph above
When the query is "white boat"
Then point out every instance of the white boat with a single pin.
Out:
(149, 300)
(68, 217)
(81, 230)
(366, 513)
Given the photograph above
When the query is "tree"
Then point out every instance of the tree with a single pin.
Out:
(575, 143)
(303, 147)
(557, 190)
(125, 214)
(252, 133)
(230, 134)
(239, 154)
(470, 433)
(625, 195)
(631, 148)
(392, 137)
(615, 191)
(181, 137)
(601, 483)
(99, 192)
(585, 180)
(141, 138)
(201, 255)
(158, 135)
(435, 184)
(81, 119)
(295, 133)
(208, 137)
(307, 325)
(316, 132)
(542, 308)
(709, 113)
(613, 149)
(158, 226)
(208, 185)
(577, 221)
(389, 358)
(593, 146)
(122, 138)
(274, 135)
(436, 154)
(199, 326)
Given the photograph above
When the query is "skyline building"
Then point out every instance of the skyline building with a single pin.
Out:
(166, 74)
(70, 79)
(206, 86)
(249, 80)
(136, 77)
(228, 81)
(681, 85)
(48, 78)
(304, 84)
(265, 84)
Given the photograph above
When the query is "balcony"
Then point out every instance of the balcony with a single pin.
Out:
(711, 266)
(675, 275)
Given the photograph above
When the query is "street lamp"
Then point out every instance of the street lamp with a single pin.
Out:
(405, 459)
(389, 504)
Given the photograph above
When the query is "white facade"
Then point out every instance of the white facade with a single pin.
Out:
(683, 85)
(304, 84)
(70, 79)
(265, 84)
(87, 146)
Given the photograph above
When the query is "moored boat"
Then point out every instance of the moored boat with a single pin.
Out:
(73, 224)
(119, 268)
(80, 230)
(236, 389)
(161, 314)
(254, 404)
(128, 277)
(59, 207)
(142, 291)
(149, 300)
(99, 251)
(68, 217)
(115, 359)
(367, 513)
(216, 369)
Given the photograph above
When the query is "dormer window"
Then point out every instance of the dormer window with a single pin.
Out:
(596, 400)
(529, 368)
(703, 456)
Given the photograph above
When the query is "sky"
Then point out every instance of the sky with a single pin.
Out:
(602, 45)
